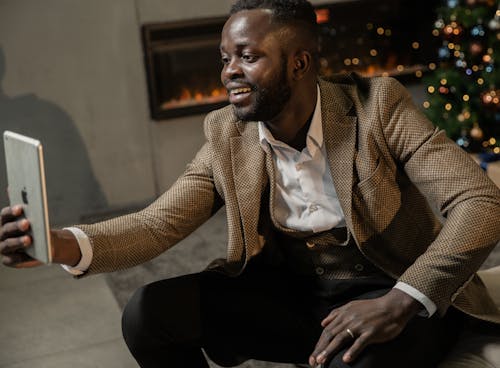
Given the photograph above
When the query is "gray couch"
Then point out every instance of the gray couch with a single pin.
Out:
(478, 350)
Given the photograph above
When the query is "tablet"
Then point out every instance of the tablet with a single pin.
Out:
(26, 186)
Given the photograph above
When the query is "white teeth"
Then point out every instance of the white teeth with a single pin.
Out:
(240, 90)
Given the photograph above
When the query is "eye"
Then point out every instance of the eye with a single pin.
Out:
(249, 58)
(224, 60)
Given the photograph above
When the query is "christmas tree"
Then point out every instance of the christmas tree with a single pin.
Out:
(463, 87)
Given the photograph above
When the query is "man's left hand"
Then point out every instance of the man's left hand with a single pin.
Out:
(363, 322)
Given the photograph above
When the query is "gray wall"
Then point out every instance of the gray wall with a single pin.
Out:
(72, 74)
(73, 77)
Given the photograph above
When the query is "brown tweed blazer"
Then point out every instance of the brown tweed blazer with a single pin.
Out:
(387, 162)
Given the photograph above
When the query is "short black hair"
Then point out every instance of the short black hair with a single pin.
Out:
(283, 11)
(295, 13)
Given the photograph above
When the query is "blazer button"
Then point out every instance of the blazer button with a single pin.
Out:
(359, 267)
(320, 271)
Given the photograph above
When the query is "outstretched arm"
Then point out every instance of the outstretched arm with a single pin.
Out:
(127, 240)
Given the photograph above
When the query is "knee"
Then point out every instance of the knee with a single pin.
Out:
(165, 310)
(138, 315)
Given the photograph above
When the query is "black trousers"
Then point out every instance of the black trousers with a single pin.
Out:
(264, 314)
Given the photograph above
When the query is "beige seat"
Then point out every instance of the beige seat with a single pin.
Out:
(478, 350)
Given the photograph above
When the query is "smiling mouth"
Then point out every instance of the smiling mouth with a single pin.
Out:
(240, 96)
(238, 91)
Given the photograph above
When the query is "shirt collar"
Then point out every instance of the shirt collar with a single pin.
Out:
(314, 135)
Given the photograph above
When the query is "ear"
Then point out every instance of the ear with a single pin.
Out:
(302, 62)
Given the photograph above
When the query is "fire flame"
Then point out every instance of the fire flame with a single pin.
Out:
(189, 97)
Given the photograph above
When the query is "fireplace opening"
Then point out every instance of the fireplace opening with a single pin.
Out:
(371, 37)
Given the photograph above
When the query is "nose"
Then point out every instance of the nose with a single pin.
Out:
(231, 70)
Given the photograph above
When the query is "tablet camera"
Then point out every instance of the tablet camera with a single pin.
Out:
(24, 195)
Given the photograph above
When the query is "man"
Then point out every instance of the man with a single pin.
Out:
(334, 255)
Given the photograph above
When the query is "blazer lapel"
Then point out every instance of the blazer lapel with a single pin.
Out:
(340, 136)
(250, 179)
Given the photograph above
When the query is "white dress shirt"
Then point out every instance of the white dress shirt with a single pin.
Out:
(306, 199)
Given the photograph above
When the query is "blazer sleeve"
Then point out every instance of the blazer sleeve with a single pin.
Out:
(454, 184)
(132, 239)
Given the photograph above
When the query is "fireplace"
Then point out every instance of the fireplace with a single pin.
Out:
(183, 66)
(372, 37)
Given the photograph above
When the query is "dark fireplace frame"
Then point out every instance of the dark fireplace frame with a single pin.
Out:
(174, 36)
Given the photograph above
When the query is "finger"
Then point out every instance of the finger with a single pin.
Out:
(333, 314)
(15, 228)
(323, 341)
(357, 347)
(19, 260)
(8, 214)
(31, 262)
(341, 340)
(328, 336)
(14, 245)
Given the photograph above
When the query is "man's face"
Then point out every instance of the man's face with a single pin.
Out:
(255, 69)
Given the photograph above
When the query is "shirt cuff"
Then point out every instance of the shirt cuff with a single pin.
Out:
(86, 250)
(430, 307)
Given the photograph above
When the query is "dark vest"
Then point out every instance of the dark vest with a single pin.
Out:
(329, 255)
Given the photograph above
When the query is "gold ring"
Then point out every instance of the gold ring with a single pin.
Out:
(350, 333)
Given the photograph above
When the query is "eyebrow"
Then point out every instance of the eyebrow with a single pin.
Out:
(238, 46)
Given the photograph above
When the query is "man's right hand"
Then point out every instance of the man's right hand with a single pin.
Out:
(14, 238)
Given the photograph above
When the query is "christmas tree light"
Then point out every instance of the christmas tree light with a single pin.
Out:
(463, 87)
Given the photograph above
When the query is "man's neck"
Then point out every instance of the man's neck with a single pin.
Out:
(300, 140)
(293, 125)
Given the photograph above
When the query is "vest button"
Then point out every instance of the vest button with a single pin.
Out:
(310, 245)
(359, 267)
(313, 208)
(320, 271)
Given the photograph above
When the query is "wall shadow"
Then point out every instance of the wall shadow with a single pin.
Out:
(72, 188)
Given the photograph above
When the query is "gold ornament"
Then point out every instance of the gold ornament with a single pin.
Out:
(491, 99)
(476, 48)
(444, 90)
(452, 31)
(476, 132)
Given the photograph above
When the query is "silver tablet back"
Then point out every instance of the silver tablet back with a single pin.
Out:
(26, 178)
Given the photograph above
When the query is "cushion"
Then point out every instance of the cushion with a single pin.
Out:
(479, 348)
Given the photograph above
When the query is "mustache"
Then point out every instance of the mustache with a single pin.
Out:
(227, 82)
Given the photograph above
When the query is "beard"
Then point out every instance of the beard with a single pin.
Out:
(269, 100)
